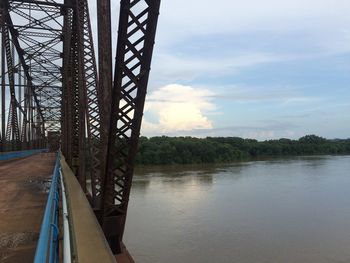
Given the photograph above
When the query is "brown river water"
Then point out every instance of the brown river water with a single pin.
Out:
(274, 211)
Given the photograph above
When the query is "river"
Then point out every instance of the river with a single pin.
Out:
(273, 211)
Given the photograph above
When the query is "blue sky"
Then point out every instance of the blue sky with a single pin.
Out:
(258, 69)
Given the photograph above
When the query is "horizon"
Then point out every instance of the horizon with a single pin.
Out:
(178, 136)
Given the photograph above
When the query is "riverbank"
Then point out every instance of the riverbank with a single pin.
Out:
(189, 150)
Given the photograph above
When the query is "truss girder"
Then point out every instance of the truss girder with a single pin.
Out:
(38, 30)
(50, 83)
(136, 35)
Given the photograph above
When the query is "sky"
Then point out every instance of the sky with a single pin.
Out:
(260, 69)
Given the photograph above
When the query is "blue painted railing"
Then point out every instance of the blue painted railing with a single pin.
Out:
(10, 155)
(47, 247)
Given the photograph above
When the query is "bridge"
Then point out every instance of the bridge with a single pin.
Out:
(70, 125)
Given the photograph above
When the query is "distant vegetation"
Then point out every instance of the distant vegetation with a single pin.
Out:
(189, 150)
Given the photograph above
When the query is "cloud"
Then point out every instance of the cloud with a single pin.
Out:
(203, 17)
(253, 58)
(256, 32)
(282, 95)
(183, 19)
(175, 108)
(178, 68)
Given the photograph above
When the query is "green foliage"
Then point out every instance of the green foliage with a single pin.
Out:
(312, 139)
(188, 150)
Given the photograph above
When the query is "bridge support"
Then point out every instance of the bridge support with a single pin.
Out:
(136, 35)
(50, 86)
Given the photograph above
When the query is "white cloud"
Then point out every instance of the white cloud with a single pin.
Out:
(185, 68)
(204, 17)
(174, 108)
(321, 26)
(199, 42)
(282, 95)
(325, 22)
(230, 36)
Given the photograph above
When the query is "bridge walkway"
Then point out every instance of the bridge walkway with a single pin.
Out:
(24, 187)
(24, 183)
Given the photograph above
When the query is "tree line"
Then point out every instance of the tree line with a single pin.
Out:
(191, 150)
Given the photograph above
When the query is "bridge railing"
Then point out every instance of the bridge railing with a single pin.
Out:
(46, 250)
(11, 155)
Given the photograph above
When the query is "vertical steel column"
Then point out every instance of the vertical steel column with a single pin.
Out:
(81, 88)
(74, 100)
(24, 134)
(93, 104)
(3, 93)
(105, 91)
(19, 91)
(75, 88)
(66, 83)
(136, 34)
(12, 131)
(68, 91)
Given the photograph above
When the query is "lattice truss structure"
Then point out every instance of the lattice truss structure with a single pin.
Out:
(137, 27)
(31, 62)
(50, 83)
(38, 31)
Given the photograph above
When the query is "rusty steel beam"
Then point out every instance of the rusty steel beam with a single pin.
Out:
(92, 101)
(79, 95)
(136, 35)
(66, 84)
(105, 91)
(36, 37)
(81, 100)
(3, 94)
(59, 89)
(73, 102)
(12, 130)
(33, 52)
(20, 53)
(41, 4)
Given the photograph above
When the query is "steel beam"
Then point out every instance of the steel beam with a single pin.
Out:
(105, 91)
(3, 94)
(136, 34)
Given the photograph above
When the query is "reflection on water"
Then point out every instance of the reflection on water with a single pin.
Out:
(267, 211)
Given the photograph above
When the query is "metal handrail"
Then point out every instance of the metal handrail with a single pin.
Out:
(66, 230)
(47, 247)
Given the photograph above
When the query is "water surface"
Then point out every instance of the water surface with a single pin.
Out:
(283, 211)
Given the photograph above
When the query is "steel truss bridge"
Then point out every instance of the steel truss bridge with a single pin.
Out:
(53, 91)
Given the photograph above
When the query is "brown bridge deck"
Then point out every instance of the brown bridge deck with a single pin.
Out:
(23, 194)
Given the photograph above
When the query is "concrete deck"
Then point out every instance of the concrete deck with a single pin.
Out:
(89, 243)
(24, 184)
